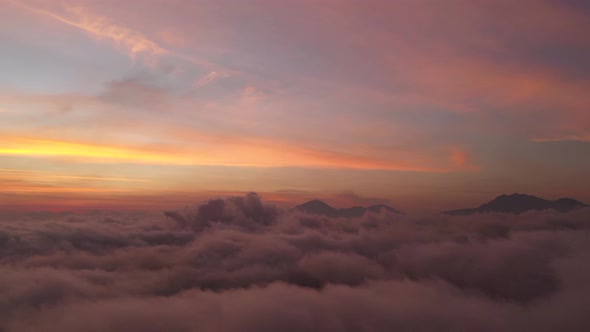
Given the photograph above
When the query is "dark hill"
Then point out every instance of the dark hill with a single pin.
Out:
(519, 203)
(321, 208)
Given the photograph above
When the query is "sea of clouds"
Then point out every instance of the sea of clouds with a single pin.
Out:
(238, 264)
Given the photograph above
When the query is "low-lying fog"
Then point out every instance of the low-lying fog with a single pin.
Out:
(240, 265)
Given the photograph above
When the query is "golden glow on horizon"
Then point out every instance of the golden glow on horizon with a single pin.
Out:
(54, 190)
(50, 176)
(40, 186)
(51, 148)
(228, 154)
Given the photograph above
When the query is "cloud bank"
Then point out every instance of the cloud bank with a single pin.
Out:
(238, 264)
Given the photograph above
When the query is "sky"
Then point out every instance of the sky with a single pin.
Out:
(424, 105)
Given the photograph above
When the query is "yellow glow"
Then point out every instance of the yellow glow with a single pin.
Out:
(229, 153)
(52, 190)
(51, 177)
(43, 148)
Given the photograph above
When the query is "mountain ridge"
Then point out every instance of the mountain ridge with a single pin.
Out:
(319, 207)
(520, 203)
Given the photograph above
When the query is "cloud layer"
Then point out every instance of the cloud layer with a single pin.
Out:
(238, 264)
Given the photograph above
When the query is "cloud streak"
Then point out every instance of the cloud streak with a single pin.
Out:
(252, 153)
(51, 176)
(134, 42)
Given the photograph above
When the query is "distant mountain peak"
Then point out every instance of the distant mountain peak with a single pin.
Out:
(316, 203)
(319, 207)
(518, 203)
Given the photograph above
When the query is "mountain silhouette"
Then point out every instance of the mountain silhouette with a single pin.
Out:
(519, 203)
(321, 208)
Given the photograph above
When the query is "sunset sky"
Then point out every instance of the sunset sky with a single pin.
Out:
(424, 105)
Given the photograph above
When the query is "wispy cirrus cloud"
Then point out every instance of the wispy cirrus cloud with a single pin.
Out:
(581, 138)
(136, 44)
(132, 41)
(211, 77)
